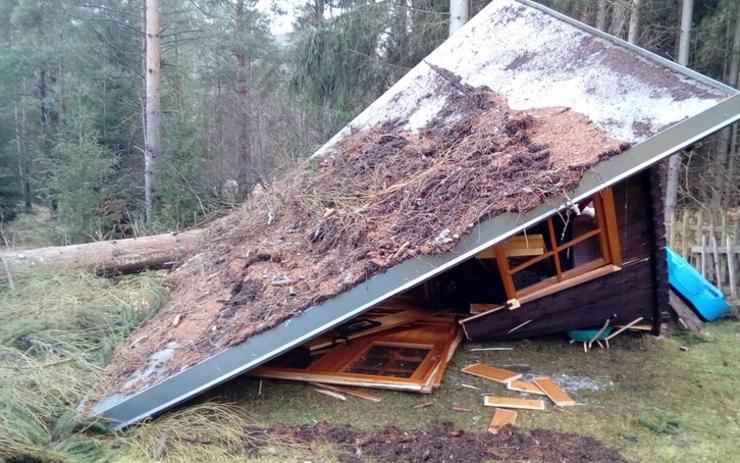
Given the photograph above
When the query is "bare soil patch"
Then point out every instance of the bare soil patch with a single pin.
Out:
(444, 443)
(382, 196)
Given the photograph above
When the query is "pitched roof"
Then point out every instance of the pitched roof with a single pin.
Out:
(534, 58)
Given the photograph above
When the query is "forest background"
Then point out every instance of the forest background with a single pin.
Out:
(241, 95)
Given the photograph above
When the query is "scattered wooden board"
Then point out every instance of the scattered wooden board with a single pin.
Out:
(422, 405)
(685, 314)
(502, 417)
(523, 386)
(488, 372)
(456, 408)
(330, 393)
(513, 402)
(558, 396)
(348, 391)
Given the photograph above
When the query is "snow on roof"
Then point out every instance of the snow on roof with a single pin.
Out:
(536, 60)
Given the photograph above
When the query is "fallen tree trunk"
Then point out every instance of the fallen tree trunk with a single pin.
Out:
(104, 257)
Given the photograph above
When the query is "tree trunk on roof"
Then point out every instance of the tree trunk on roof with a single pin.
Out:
(105, 257)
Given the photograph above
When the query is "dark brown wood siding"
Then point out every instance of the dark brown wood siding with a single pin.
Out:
(634, 291)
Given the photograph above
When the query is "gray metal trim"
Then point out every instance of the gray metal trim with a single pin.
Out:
(690, 73)
(318, 319)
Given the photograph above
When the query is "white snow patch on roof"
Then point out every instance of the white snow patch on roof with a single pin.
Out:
(536, 60)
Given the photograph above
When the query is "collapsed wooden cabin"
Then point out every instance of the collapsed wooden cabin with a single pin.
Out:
(507, 182)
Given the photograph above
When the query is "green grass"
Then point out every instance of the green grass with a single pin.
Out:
(57, 332)
(654, 402)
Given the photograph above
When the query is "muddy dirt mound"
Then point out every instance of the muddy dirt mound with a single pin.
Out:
(382, 196)
(443, 443)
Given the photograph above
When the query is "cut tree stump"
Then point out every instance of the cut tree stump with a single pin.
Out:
(104, 257)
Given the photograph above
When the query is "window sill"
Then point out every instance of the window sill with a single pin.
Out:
(484, 309)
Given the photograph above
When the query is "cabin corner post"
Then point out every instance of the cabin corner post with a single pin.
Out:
(655, 183)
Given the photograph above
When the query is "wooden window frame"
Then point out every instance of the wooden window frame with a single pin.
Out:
(607, 233)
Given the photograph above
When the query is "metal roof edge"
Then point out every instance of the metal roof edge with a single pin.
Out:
(688, 72)
(262, 347)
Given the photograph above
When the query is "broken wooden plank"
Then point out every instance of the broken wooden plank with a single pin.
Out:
(385, 323)
(513, 402)
(523, 386)
(684, 313)
(330, 393)
(422, 405)
(518, 246)
(485, 308)
(484, 349)
(456, 408)
(348, 391)
(625, 327)
(521, 325)
(447, 356)
(494, 374)
(558, 396)
(502, 417)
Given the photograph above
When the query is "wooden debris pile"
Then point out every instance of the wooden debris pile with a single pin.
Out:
(505, 414)
(396, 346)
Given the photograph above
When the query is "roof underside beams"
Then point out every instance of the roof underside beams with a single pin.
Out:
(122, 411)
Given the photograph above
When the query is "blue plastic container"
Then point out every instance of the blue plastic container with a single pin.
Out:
(704, 297)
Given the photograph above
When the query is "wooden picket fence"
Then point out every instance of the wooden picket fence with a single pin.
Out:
(710, 243)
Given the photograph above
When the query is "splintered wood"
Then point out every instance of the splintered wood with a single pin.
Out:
(558, 396)
(411, 357)
(513, 402)
(488, 372)
(348, 391)
(523, 386)
(502, 417)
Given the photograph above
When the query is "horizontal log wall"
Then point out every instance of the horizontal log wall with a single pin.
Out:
(622, 296)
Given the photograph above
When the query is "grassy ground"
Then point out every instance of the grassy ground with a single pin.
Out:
(644, 396)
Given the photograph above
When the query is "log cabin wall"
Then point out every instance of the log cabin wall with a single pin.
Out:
(635, 291)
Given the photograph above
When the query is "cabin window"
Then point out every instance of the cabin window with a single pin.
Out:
(564, 248)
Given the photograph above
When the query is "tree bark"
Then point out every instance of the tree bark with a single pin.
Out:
(633, 31)
(674, 163)
(601, 15)
(458, 15)
(619, 17)
(105, 257)
(152, 137)
(247, 173)
(724, 170)
(23, 161)
(45, 124)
